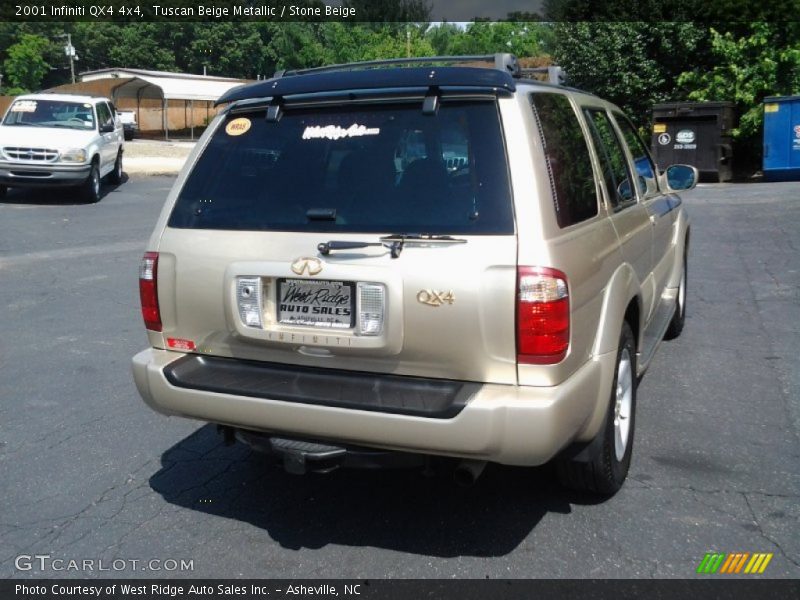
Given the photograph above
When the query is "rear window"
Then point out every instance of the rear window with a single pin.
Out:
(378, 168)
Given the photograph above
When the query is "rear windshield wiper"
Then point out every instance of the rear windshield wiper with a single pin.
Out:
(326, 248)
(422, 237)
(394, 242)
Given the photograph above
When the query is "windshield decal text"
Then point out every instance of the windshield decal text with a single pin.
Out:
(334, 132)
(24, 106)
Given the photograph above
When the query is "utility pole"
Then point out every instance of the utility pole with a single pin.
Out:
(69, 50)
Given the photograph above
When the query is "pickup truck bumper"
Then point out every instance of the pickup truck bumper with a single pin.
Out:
(509, 424)
(33, 175)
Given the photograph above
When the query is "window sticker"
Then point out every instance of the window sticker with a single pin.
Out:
(24, 106)
(238, 126)
(334, 132)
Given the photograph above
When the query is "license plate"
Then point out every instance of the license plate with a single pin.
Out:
(328, 304)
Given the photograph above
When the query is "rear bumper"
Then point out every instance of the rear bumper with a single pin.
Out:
(32, 175)
(508, 424)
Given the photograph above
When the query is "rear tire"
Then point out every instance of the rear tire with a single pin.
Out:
(606, 471)
(676, 324)
(90, 189)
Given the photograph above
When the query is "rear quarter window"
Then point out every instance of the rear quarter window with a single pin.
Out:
(567, 156)
(378, 168)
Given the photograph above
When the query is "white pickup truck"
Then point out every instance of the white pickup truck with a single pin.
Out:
(60, 140)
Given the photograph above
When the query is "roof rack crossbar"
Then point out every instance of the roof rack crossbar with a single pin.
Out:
(502, 62)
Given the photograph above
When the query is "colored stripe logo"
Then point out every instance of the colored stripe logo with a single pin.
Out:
(734, 563)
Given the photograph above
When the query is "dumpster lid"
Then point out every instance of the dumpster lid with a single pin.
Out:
(772, 99)
(675, 105)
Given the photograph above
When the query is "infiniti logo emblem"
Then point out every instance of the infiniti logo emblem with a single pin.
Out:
(303, 264)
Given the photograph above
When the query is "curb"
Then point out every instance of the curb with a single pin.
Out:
(150, 166)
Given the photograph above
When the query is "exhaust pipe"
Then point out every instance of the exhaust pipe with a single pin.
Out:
(468, 471)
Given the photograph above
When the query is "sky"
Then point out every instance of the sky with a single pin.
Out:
(466, 10)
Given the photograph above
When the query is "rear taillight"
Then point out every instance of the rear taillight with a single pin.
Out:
(148, 291)
(542, 315)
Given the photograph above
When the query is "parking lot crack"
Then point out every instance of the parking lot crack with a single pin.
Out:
(764, 534)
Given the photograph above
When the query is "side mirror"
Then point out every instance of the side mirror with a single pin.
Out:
(624, 190)
(681, 177)
(107, 127)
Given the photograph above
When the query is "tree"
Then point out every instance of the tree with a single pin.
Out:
(294, 45)
(762, 61)
(145, 45)
(633, 65)
(485, 37)
(25, 65)
(230, 49)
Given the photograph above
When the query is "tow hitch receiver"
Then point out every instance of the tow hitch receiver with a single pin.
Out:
(300, 457)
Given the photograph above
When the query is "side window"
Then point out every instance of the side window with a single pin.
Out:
(612, 158)
(645, 170)
(568, 161)
(103, 114)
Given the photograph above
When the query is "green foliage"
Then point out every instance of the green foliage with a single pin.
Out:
(226, 48)
(25, 65)
(483, 37)
(346, 43)
(294, 45)
(763, 61)
(635, 65)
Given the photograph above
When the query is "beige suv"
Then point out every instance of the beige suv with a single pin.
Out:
(373, 264)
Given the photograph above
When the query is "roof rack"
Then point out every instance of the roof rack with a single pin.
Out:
(555, 74)
(502, 62)
(367, 76)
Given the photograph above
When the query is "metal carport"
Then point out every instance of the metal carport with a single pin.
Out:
(140, 84)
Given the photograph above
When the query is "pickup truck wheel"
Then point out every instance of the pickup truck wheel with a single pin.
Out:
(90, 189)
(606, 471)
(115, 177)
(676, 324)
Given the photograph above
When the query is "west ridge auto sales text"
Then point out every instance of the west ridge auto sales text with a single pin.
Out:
(221, 12)
(159, 589)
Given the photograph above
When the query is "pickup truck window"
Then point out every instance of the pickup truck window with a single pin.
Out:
(645, 169)
(567, 156)
(612, 158)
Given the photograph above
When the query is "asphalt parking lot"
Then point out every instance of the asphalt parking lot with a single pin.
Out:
(87, 471)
